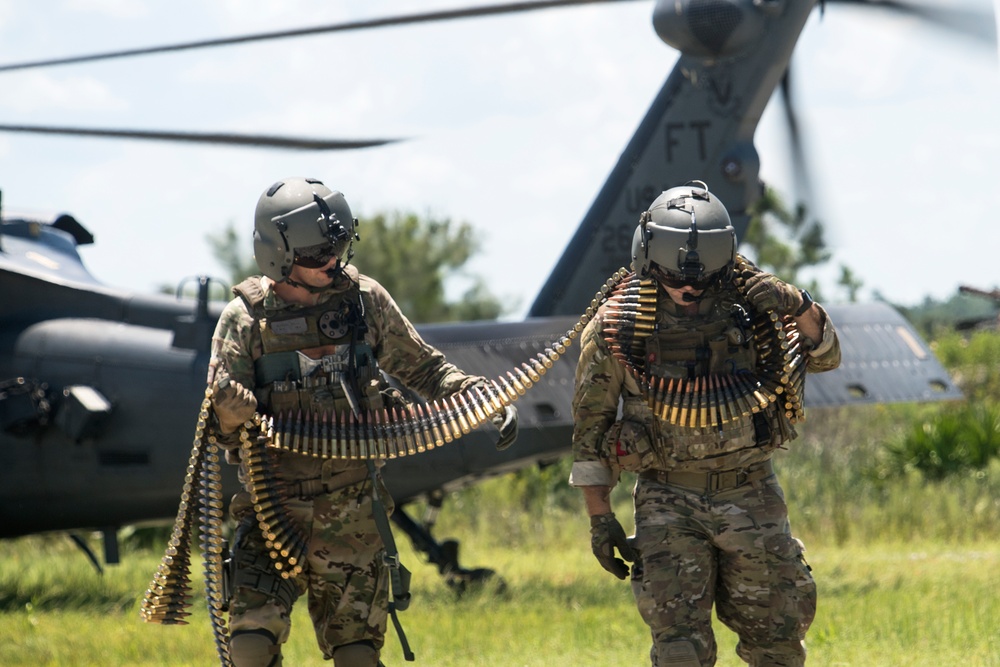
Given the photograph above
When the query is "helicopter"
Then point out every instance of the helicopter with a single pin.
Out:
(99, 385)
(984, 322)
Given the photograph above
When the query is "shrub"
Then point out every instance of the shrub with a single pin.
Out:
(957, 439)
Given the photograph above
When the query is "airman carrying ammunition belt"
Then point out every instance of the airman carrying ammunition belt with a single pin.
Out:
(725, 480)
(395, 434)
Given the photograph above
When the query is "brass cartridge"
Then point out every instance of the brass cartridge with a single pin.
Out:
(422, 426)
(416, 431)
(477, 401)
(459, 414)
(701, 392)
(428, 418)
(448, 414)
(521, 381)
(470, 410)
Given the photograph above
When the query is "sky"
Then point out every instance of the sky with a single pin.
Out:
(511, 124)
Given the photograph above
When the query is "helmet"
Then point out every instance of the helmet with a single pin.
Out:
(686, 233)
(300, 216)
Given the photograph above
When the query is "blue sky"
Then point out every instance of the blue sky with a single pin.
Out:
(513, 124)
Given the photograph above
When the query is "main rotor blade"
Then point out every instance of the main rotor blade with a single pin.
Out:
(260, 140)
(976, 23)
(800, 165)
(364, 24)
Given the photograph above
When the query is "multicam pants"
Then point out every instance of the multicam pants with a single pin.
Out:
(731, 548)
(346, 579)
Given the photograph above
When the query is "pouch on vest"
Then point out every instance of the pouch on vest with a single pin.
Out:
(629, 446)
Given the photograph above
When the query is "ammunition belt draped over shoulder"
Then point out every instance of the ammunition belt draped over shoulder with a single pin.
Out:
(706, 396)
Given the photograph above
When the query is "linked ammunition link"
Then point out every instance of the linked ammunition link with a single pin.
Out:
(282, 537)
(212, 544)
(169, 595)
(782, 354)
(394, 432)
(716, 399)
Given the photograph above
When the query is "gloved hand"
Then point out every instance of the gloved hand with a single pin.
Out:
(607, 534)
(506, 423)
(767, 292)
(233, 404)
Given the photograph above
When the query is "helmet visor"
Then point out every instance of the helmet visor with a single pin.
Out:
(315, 256)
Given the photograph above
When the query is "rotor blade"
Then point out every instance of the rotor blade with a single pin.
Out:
(975, 23)
(364, 24)
(800, 166)
(260, 141)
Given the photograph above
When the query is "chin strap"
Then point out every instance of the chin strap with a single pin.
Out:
(334, 273)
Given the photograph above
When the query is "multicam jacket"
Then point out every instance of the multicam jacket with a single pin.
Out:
(259, 327)
(615, 429)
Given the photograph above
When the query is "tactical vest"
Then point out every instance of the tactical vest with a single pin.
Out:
(315, 360)
(718, 341)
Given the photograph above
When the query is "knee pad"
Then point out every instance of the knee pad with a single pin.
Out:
(677, 654)
(359, 654)
(254, 648)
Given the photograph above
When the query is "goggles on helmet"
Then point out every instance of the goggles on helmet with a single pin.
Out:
(315, 256)
(677, 280)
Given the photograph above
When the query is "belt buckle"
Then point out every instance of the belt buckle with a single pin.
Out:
(730, 479)
(715, 481)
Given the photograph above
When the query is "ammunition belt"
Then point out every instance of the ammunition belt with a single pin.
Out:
(390, 433)
(169, 595)
(716, 399)
(725, 480)
(269, 493)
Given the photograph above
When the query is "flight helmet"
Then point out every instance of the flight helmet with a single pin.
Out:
(685, 237)
(301, 221)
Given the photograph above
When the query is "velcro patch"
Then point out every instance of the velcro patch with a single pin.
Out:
(296, 325)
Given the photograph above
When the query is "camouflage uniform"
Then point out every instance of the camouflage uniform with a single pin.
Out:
(345, 577)
(711, 521)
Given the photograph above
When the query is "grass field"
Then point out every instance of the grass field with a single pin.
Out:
(909, 604)
(908, 572)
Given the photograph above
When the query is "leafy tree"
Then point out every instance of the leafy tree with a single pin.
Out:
(412, 257)
(850, 282)
(232, 250)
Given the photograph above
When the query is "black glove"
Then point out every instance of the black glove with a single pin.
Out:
(506, 423)
(607, 534)
(768, 293)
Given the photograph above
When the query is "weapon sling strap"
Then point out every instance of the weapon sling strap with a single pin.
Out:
(399, 576)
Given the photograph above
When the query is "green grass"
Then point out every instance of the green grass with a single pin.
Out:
(907, 569)
(920, 603)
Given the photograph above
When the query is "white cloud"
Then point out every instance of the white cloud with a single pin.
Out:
(512, 124)
(36, 91)
(7, 12)
(116, 9)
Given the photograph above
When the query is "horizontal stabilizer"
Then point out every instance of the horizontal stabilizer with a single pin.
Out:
(884, 360)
